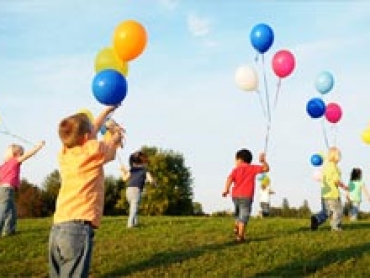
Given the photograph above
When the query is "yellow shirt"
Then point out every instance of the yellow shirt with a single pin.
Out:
(331, 175)
(81, 196)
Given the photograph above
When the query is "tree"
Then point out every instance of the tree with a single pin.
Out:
(304, 211)
(29, 200)
(112, 194)
(51, 186)
(197, 208)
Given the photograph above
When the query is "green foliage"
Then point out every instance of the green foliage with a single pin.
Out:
(113, 189)
(51, 186)
(201, 247)
(29, 200)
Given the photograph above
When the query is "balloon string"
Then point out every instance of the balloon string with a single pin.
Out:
(267, 137)
(261, 103)
(17, 137)
(325, 134)
(277, 93)
(266, 91)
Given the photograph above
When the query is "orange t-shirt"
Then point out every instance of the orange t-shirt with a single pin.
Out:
(81, 196)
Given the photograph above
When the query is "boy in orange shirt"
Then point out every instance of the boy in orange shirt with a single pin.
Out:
(79, 206)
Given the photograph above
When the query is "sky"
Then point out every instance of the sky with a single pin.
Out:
(182, 94)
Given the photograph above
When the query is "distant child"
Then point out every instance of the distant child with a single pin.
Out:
(9, 183)
(242, 178)
(355, 188)
(330, 195)
(136, 178)
(265, 195)
(80, 202)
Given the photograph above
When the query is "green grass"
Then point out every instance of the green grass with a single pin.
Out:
(200, 247)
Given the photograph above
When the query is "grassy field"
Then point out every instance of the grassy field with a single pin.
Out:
(201, 247)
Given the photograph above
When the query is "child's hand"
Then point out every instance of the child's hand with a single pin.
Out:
(225, 193)
(262, 158)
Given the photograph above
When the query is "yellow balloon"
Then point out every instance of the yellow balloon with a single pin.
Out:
(365, 136)
(108, 59)
(265, 181)
(88, 113)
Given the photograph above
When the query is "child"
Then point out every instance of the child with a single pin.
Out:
(243, 179)
(330, 195)
(265, 193)
(9, 183)
(356, 185)
(136, 179)
(79, 206)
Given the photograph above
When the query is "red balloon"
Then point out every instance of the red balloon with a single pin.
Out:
(333, 113)
(283, 63)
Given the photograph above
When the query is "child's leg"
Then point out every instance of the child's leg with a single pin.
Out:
(11, 217)
(245, 205)
(336, 207)
(354, 211)
(6, 201)
(133, 197)
(70, 249)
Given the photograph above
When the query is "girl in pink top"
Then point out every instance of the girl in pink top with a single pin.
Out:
(9, 182)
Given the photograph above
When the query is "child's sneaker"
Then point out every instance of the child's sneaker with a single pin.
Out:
(314, 223)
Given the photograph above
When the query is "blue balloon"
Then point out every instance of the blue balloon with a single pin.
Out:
(316, 107)
(109, 87)
(316, 160)
(262, 37)
(324, 82)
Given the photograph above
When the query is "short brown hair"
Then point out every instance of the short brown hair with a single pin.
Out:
(73, 129)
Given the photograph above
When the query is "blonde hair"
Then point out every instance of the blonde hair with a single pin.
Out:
(16, 150)
(73, 129)
(334, 155)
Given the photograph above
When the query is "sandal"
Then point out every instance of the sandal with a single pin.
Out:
(236, 229)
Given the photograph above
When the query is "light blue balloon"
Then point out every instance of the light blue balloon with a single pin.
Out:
(324, 82)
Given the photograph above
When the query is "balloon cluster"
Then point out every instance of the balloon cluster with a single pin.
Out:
(264, 179)
(283, 64)
(283, 61)
(109, 85)
(317, 108)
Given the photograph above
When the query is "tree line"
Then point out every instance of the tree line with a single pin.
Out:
(171, 195)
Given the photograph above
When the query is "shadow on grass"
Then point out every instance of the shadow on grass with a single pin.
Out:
(164, 259)
(300, 268)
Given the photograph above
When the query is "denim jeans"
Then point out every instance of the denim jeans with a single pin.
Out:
(8, 212)
(354, 209)
(243, 209)
(70, 249)
(333, 208)
(133, 196)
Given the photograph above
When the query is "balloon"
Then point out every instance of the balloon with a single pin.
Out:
(365, 136)
(324, 82)
(108, 59)
(261, 176)
(88, 113)
(316, 160)
(283, 63)
(109, 87)
(262, 37)
(315, 108)
(246, 78)
(265, 181)
(333, 113)
(129, 40)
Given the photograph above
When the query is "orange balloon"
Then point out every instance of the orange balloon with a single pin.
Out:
(129, 40)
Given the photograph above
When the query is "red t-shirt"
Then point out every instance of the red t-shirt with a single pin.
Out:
(243, 177)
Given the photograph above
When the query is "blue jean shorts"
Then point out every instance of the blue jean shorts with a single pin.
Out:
(243, 208)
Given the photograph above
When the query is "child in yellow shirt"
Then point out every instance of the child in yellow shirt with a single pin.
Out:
(79, 206)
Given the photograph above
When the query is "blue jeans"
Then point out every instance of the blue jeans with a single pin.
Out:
(70, 249)
(354, 209)
(243, 209)
(133, 196)
(8, 212)
(333, 208)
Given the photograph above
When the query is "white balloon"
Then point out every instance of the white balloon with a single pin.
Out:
(246, 78)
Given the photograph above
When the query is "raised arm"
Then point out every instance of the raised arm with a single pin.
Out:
(31, 152)
(265, 165)
(99, 121)
(125, 174)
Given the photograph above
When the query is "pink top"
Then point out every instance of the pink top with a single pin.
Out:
(10, 172)
(243, 177)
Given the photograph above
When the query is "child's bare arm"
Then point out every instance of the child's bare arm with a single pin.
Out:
(114, 143)
(265, 165)
(99, 121)
(227, 187)
(125, 173)
(366, 192)
(31, 152)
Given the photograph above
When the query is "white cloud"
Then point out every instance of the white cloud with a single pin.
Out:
(169, 4)
(198, 26)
